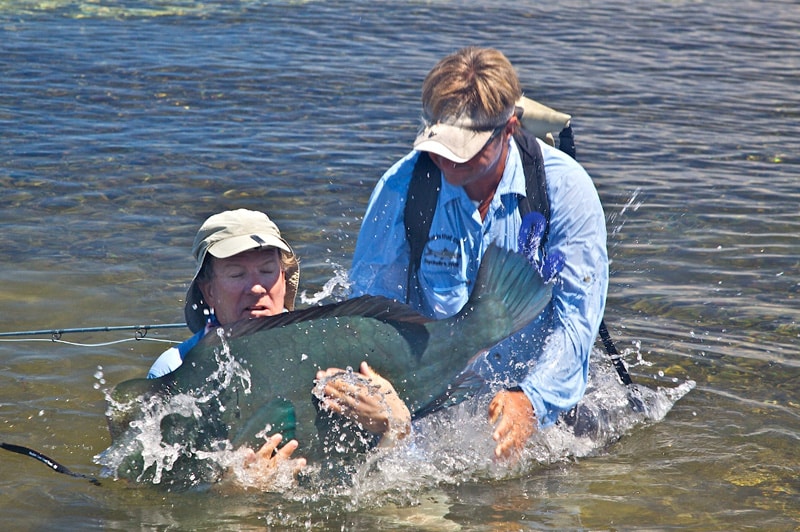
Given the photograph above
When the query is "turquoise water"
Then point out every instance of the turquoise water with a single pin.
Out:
(124, 124)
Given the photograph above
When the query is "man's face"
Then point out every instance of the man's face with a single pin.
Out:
(484, 163)
(248, 285)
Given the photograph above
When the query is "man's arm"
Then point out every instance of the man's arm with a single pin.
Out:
(557, 380)
(577, 230)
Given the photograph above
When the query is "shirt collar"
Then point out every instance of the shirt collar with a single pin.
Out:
(513, 180)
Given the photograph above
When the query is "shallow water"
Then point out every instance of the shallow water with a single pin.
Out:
(124, 124)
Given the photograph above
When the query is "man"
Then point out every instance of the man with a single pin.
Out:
(470, 116)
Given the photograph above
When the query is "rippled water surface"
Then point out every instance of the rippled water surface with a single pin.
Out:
(124, 124)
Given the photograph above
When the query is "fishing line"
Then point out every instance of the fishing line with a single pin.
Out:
(101, 344)
(55, 337)
(140, 333)
(141, 330)
(46, 460)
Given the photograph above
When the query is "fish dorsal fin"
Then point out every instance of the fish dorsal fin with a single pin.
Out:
(376, 307)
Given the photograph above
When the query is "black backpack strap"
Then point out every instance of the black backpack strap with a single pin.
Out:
(566, 142)
(423, 193)
(535, 199)
(611, 349)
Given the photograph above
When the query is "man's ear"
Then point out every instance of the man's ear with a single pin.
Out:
(513, 125)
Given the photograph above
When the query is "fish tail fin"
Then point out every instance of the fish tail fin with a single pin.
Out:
(509, 293)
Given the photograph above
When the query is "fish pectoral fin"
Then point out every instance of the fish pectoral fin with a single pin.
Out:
(276, 415)
(465, 385)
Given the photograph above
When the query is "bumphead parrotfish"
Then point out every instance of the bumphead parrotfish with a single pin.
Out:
(257, 377)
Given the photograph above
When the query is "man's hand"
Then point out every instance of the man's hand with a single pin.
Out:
(515, 422)
(366, 398)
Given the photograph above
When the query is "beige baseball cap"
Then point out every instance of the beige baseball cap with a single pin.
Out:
(227, 234)
(459, 139)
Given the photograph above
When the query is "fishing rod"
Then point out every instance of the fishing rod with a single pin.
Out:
(55, 334)
(46, 460)
(616, 358)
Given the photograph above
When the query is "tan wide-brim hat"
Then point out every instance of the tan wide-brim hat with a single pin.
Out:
(227, 234)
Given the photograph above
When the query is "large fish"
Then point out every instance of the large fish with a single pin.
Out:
(258, 377)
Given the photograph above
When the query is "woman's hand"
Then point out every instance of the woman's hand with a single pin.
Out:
(269, 468)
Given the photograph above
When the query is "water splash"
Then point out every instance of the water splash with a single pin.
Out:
(99, 377)
(171, 439)
(336, 288)
(616, 220)
(341, 438)
(454, 445)
(448, 447)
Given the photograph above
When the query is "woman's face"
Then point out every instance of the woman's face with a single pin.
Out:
(248, 285)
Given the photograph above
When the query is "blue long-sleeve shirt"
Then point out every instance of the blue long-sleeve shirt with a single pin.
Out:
(172, 358)
(549, 358)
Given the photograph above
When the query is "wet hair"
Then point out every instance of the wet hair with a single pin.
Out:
(477, 82)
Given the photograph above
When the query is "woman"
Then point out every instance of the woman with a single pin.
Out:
(245, 269)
